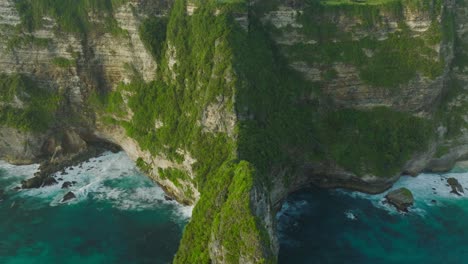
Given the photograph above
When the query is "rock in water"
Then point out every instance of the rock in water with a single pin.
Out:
(38, 182)
(34, 182)
(66, 185)
(401, 198)
(457, 188)
(69, 196)
(49, 181)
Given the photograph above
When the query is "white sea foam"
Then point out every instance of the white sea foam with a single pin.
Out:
(110, 178)
(350, 215)
(20, 172)
(426, 189)
(292, 208)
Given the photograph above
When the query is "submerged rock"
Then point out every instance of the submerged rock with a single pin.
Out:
(401, 198)
(69, 196)
(168, 198)
(457, 188)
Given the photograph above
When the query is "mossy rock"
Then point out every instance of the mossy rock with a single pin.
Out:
(401, 198)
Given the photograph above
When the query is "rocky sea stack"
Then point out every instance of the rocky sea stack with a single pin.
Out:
(401, 198)
(457, 188)
(69, 196)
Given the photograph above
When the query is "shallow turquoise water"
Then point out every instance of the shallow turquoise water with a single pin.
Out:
(119, 216)
(320, 226)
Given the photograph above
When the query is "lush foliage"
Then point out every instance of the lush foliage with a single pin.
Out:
(70, 15)
(383, 62)
(24, 105)
(284, 121)
(228, 225)
(178, 177)
(153, 34)
(166, 114)
(377, 141)
(63, 62)
(224, 214)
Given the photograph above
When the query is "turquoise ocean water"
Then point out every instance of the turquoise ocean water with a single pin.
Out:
(336, 226)
(119, 216)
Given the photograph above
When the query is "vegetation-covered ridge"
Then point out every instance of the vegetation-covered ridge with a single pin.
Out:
(283, 123)
(206, 60)
(196, 71)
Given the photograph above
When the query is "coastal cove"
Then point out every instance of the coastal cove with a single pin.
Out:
(340, 226)
(121, 216)
(220, 111)
(118, 216)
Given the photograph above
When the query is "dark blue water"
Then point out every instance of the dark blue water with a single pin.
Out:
(119, 216)
(320, 226)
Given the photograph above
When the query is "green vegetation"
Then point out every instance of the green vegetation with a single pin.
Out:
(63, 62)
(228, 225)
(21, 40)
(451, 115)
(385, 62)
(284, 121)
(224, 210)
(24, 105)
(453, 108)
(142, 165)
(441, 151)
(174, 175)
(176, 101)
(153, 34)
(70, 15)
(378, 141)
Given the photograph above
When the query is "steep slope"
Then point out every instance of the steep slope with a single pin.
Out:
(232, 105)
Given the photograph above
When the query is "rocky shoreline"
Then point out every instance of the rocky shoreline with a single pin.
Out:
(44, 176)
(83, 151)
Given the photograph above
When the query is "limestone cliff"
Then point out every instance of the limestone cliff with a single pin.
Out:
(232, 105)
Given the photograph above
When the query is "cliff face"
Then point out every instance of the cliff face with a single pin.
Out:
(98, 59)
(361, 57)
(342, 49)
(233, 105)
